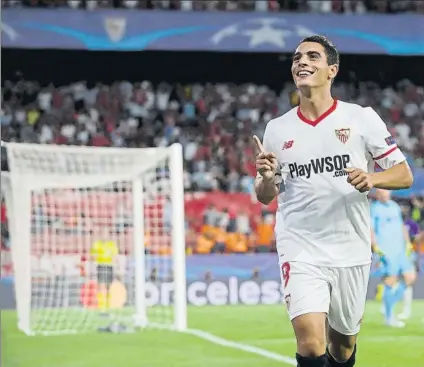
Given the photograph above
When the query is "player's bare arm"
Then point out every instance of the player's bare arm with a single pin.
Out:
(397, 177)
(266, 166)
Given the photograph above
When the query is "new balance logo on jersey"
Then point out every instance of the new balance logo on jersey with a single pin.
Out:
(334, 164)
(288, 144)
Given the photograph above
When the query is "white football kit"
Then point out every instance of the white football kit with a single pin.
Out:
(322, 222)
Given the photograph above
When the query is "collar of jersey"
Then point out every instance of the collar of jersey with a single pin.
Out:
(320, 118)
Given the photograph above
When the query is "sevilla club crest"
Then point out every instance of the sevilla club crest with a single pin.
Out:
(343, 135)
(287, 298)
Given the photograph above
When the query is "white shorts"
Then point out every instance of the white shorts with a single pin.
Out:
(339, 292)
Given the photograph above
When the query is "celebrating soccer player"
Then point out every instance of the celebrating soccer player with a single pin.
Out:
(319, 160)
(415, 237)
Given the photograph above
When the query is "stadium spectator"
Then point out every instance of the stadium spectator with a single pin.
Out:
(217, 147)
(264, 233)
(210, 217)
(205, 243)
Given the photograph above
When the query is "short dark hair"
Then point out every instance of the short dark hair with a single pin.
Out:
(333, 56)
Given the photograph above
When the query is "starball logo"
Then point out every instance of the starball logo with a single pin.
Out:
(335, 164)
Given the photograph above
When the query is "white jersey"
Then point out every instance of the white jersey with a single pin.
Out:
(321, 219)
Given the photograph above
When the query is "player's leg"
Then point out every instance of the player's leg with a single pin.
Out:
(109, 277)
(103, 286)
(309, 329)
(408, 296)
(408, 277)
(347, 305)
(341, 350)
(393, 291)
(389, 298)
(307, 298)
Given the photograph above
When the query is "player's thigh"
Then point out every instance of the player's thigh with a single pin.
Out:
(348, 295)
(407, 269)
(391, 269)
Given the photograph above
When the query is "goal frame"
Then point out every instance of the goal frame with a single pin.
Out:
(21, 238)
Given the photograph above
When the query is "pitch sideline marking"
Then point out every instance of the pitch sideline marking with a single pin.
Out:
(244, 347)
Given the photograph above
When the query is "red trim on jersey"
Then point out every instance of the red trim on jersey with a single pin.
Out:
(385, 154)
(320, 118)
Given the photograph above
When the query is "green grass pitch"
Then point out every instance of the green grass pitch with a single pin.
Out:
(266, 327)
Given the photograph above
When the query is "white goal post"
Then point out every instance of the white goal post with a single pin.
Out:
(97, 237)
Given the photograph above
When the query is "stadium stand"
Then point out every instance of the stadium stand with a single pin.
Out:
(214, 122)
(324, 6)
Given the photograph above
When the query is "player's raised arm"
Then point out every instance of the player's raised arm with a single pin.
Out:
(385, 152)
(266, 166)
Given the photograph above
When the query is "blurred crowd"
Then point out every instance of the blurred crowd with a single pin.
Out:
(322, 6)
(213, 122)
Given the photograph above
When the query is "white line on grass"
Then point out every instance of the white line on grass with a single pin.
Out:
(244, 347)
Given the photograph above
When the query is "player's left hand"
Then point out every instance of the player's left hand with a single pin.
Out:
(359, 179)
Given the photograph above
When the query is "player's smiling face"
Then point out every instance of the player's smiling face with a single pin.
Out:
(310, 66)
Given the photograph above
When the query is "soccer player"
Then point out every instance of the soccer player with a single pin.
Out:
(391, 242)
(319, 160)
(412, 252)
(104, 252)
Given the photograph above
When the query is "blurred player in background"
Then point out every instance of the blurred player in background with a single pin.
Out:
(104, 252)
(319, 160)
(391, 243)
(413, 230)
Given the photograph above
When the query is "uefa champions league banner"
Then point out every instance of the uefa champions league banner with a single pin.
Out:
(132, 30)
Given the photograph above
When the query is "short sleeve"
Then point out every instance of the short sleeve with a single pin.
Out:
(379, 142)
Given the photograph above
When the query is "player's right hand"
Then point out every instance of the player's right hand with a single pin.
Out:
(266, 163)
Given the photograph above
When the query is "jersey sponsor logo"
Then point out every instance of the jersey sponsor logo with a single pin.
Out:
(343, 135)
(390, 140)
(287, 144)
(336, 164)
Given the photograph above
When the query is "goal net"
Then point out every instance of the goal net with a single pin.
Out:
(97, 237)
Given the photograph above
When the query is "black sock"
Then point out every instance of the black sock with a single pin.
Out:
(310, 361)
(349, 363)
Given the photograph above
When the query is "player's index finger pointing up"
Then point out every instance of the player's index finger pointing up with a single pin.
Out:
(258, 143)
